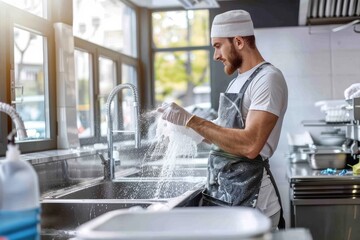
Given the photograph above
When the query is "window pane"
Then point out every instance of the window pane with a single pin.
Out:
(180, 28)
(106, 84)
(108, 23)
(84, 100)
(29, 90)
(182, 76)
(36, 7)
(128, 76)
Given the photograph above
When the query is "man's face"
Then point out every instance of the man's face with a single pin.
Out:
(226, 52)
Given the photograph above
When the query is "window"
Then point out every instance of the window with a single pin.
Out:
(180, 75)
(107, 72)
(180, 28)
(108, 23)
(30, 80)
(84, 99)
(36, 7)
(129, 75)
(181, 56)
(27, 65)
(28, 73)
(105, 40)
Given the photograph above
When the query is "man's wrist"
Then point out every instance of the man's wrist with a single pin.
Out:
(188, 121)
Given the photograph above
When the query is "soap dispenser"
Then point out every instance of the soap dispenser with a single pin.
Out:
(19, 197)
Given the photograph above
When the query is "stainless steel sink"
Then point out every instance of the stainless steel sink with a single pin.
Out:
(66, 209)
(176, 172)
(134, 189)
(66, 215)
(60, 218)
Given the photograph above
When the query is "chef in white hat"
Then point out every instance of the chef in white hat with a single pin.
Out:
(247, 131)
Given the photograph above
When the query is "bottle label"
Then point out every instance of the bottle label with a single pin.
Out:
(24, 224)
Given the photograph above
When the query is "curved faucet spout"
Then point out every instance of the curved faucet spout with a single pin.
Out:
(15, 117)
(110, 166)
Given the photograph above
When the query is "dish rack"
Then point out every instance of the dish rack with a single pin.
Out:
(336, 111)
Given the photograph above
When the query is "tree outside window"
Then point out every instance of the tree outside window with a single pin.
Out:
(181, 61)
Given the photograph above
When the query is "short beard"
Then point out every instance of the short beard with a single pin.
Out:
(235, 61)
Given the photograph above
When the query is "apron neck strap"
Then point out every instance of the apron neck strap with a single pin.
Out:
(252, 76)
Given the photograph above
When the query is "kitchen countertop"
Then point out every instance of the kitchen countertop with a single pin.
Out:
(125, 147)
(83, 151)
(303, 172)
(56, 155)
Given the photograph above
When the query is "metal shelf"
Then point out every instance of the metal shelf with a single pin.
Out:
(323, 123)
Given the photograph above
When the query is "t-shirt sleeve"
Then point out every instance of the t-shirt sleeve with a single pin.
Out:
(269, 93)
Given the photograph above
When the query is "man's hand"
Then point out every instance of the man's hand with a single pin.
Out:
(175, 114)
(353, 91)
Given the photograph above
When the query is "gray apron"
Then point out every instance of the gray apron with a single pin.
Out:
(234, 180)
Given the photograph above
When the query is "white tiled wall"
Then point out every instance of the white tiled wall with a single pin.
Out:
(317, 63)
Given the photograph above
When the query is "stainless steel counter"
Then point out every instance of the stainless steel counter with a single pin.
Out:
(302, 172)
(327, 205)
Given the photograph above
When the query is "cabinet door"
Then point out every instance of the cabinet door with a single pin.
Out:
(328, 222)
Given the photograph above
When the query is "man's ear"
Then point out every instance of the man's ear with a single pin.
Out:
(239, 42)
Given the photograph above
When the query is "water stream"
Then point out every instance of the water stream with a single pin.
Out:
(171, 145)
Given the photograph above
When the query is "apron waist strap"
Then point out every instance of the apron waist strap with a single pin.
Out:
(281, 224)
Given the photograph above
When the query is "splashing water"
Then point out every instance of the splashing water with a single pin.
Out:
(172, 145)
(179, 145)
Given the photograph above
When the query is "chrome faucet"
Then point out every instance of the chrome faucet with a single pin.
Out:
(15, 117)
(109, 173)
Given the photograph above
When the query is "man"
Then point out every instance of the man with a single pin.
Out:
(247, 131)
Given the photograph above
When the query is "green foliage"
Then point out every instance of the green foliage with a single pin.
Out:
(177, 72)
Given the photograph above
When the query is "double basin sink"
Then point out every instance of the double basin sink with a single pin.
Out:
(66, 209)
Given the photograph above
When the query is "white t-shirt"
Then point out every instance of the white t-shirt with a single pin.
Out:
(266, 92)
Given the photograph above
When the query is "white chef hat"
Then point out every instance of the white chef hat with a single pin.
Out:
(232, 23)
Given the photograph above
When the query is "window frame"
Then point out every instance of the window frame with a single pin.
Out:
(15, 17)
(97, 51)
(10, 17)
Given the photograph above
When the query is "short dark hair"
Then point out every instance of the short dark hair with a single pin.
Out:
(250, 40)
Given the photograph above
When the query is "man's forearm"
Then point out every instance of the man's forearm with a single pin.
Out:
(234, 141)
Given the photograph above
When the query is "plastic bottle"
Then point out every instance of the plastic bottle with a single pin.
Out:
(19, 198)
